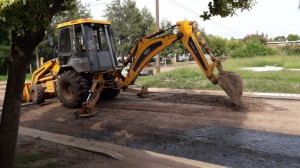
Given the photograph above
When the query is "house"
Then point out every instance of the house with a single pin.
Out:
(275, 44)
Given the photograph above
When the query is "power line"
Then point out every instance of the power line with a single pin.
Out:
(196, 14)
(96, 4)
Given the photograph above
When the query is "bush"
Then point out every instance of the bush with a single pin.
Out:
(217, 45)
(233, 45)
(291, 49)
(4, 55)
(253, 47)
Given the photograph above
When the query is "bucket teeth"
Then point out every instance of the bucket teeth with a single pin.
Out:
(232, 84)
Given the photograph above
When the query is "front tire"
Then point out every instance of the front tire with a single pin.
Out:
(72, 88)
(37, 94)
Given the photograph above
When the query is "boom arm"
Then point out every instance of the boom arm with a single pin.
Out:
(148, 46)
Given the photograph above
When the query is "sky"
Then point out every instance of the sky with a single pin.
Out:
(271, 17)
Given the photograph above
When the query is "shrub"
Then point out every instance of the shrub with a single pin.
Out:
(217, 45)
(233, 45)
(251, 37)
(253, 47)
(291, 49)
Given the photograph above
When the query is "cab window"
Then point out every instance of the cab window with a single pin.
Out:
(65, 41)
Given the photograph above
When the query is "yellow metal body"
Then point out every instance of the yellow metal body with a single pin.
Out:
(148, 46)
(46, 76)
(26, 93)
(84, 20)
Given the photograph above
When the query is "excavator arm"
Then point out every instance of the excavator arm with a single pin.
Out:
(188, 32)
(148, 46)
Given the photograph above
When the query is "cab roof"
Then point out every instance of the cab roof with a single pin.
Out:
(83, 20)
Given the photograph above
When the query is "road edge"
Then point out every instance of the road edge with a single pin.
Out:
(139, 157)
(220, 92)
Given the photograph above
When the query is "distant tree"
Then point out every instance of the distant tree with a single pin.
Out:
(4, 37)
(167, 52)
(293, 37)
(226, 8)
(280, 38)
(217, 45)
(4, 51)
(252, 47)
(128, 23)
(261, 38)
(27, 20)
(79, 11)
(233, 44)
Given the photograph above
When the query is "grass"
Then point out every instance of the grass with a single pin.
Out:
(192, 77)
(4, 77)
(284, 61)
(26, 161)
(274, 81)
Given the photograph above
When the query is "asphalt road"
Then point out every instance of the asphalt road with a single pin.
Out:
(265, 132)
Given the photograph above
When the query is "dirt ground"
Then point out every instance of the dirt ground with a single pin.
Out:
(209, 128)
(34, 153)
(264, 132)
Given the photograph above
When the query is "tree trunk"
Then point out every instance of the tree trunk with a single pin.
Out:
(21, 50)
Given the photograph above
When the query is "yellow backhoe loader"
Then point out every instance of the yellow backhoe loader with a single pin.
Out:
(43, 82)
(86, 68)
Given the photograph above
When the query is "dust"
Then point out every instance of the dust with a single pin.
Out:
(247, 104)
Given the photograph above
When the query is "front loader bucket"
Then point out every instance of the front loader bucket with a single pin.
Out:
(26, 93)
(232, 84)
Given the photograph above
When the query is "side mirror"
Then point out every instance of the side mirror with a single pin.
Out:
(55, 52)
(51, 39)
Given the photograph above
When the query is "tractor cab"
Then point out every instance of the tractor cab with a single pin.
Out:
(86, 45)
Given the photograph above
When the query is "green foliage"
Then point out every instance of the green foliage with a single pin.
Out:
(225, 8)
(284, 61)
(217, 45)
(167, 51)
(29, 159)
(260, 38)
(293, 37)
(4, 55)
(233, 44)
(4, 51)
(128, 23)
(23, 16)
(280, 38)
(4, 38)
(251, 48)
(276, 81)
(291, 49)
(79, 11)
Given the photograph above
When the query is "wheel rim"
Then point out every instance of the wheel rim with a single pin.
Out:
(67, 90)
(32, 95)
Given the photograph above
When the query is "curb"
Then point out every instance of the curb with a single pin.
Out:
(219, 92)
(121, 153)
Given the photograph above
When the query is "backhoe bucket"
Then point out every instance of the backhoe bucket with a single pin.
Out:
(232, 84)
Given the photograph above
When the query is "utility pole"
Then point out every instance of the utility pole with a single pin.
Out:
(157, 28)
(37, 57)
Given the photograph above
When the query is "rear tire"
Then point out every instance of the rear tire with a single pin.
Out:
(72, 89)
(109, 93)
(37, 94)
